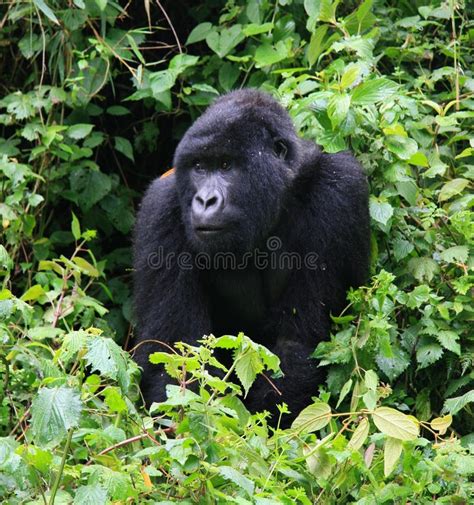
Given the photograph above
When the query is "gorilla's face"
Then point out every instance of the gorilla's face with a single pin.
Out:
(233, 169)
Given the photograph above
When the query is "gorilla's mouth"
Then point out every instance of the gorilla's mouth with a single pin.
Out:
(208, 230)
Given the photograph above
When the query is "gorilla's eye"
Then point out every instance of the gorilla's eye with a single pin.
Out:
(225, 165)
(281, 149)
(197, 166)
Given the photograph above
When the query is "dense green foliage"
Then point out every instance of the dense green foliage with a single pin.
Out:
(93, 97)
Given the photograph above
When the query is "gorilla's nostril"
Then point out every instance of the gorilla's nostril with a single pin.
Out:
(211, 202)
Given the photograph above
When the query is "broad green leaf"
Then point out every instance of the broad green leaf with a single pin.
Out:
(360, 434)
(255, 29)
(423, 268)
(199, 32)
(5, 260)
(224, 41)
(403, 147)
(449, 340)
(105, 356)
(380, 211)
(402, 248)
(248, 365)
(181, 62)
(90, 495)
(455, 254)
(454, 405)
(441, 424)
(54, 411)
(79, 131)
(419, 159)
(237, 478)
(374, 91)
(118, 110)
(391, 454)
(86, 267)
(123, 145)
(313, 418)
(428, 353)
(452, 188)
(43, 332)
(393, 423)
(338, 107)
(267, 54)
(33, 293)
(350, 76)
(161, 81)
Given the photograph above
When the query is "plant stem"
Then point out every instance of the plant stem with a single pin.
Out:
(61, 468)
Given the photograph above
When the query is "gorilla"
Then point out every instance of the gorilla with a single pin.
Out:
(257, 230)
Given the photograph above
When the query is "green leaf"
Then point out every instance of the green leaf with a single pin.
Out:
(33, 293)
(441, 424)
(344, 390)
(54, 411)
(237, 478)
(391, 454)
(360, 434)
(123, 145)
(380, 211)
(428, 353)
(105, 356)
(449, 340)
(41, 4)
(316, 45)
(255, 29)
(402, 248)
(247, 366)
(423, 268)
(350, 76)
(373, 91)
(313, 418)
(181, 62)
(222, 43)
(338, 107)
(199, 32)
(79, 131)
(455, 254)
(267, 54)
(402, 146)
(75, 227)
(452, 188)
(117, 110)
(86, 267)
(454, 405)
(90, 495)
(393, 423)
(161, 81)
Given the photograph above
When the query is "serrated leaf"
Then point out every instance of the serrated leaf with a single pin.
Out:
(452, 188)
(313, 418)
(360, 434)
(403, 147)
(105, 356)
(338, 108)
(90, 495)
(393, 423)
(449, 340)
(455, 254)
(454, 405)
(402, 248)
(423, 268)
(427, 354)
(247, 367)
(237, 478)
(344, 390)
(350, 76)
(54, 411)
(373, 91)
(441, 424)
(391, 454)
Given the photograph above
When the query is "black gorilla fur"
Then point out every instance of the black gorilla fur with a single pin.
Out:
(242, 171)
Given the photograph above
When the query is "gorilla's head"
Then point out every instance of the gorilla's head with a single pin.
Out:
(235, 167)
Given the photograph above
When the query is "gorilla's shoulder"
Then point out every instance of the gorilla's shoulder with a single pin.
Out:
(160, 200)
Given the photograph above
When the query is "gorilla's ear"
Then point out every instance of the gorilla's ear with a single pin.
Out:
(281, 149)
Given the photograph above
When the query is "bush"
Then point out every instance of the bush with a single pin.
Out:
(91, 91)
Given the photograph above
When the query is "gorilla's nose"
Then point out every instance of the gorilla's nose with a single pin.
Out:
(207, 204)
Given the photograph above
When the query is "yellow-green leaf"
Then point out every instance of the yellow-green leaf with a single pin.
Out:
(391, 454)
(360, 434)
(314, 417)
(441, 424)
(33, 293)
(393, 423)
(86, 267)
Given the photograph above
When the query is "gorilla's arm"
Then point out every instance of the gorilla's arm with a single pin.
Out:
(169, 303)
(332, 223)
